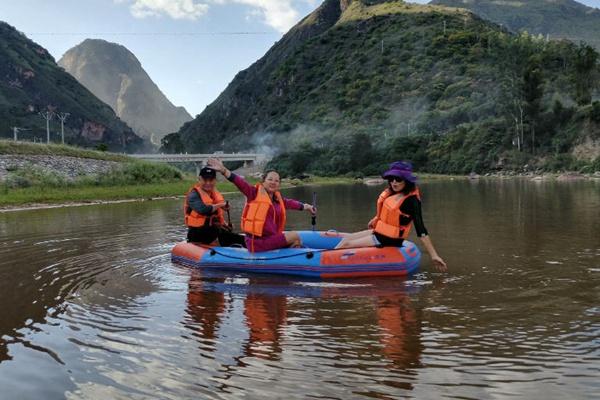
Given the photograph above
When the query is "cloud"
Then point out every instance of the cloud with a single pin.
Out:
(279, 14)
(176, 9)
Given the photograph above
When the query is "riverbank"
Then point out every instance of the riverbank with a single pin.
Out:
(34, 176)
(536, 176)
(36, 198)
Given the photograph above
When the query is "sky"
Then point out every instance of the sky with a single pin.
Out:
(191, 48)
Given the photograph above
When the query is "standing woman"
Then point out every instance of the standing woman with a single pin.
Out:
(264, 215)
(398, 209)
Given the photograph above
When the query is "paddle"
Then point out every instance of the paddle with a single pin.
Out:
(313, 218)
(229, 224)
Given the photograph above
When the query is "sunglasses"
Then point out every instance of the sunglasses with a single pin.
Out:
(395, 178)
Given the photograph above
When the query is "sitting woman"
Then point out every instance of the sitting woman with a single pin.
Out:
(264, 215)
(398, 208)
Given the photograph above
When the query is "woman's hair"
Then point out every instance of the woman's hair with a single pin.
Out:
(408, 187)
(267, 172)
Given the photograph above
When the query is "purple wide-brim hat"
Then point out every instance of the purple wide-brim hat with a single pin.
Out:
(401, 169)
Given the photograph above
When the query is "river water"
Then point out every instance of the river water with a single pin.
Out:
(93, 308)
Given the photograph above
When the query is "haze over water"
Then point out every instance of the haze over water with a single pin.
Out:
(93, 307)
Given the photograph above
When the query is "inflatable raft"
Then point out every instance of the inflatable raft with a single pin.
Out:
(316, 260)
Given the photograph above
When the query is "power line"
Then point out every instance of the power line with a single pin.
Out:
(224, 33)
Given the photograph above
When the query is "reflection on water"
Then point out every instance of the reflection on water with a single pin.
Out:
(265, 313)
(93, 308)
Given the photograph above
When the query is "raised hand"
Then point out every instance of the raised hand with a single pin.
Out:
(217, 164)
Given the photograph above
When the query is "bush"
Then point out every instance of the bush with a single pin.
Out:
(592, 167)
(138, 173)
(595, 112)
(102, 147)
(560, 162)
(413, 148)
(135, 173)
(34, 176)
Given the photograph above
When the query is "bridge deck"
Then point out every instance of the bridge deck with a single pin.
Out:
(199, 157)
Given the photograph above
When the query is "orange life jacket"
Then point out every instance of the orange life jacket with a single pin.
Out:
(194, 219)
(255, 212)
(388, 214)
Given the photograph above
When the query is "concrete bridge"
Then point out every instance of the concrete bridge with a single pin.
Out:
(249, 159)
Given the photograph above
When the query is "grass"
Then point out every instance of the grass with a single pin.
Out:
(24, 148)
(94, 193)
(126, 174)
(359, 11)
(318, 180)
(82, 194)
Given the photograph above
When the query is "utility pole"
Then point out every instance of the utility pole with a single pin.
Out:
(16, 132)
(47, 115)
(63, 117)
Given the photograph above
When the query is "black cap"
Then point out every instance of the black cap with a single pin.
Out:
(208, 172)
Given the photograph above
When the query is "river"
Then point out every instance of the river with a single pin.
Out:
(93, 308)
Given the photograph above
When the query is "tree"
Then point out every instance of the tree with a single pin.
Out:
(360, 152)
(172, 144)
(585, 74)
(522, 83)
(533, 91)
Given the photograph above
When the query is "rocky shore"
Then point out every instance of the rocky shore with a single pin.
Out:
(70, 168)
(534, 176)
(538, 176)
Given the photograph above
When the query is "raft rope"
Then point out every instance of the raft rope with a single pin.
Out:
(309, 254)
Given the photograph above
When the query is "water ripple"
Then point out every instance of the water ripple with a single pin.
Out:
(102, 313)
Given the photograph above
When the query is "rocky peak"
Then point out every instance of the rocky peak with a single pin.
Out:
(116, 76)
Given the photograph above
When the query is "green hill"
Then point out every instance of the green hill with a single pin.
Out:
(560, 19)
(358, 83)
(31, 81)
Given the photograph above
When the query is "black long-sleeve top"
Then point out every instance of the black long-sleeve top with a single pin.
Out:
(412, 206)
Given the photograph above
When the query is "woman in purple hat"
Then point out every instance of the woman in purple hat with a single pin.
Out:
(398, 209)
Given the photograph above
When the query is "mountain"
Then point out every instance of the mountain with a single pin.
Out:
(566, 19)
(358, 82)
(31, 81)
(116, 76)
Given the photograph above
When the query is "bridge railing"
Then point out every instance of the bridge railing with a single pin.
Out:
(247, 158)
(200, 157)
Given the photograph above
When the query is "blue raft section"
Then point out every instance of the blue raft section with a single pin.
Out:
(317, 259)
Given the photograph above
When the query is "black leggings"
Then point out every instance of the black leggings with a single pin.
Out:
(387, 241)
(208, 234)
